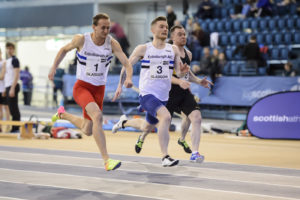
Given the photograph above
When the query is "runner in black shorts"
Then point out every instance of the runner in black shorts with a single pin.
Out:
(181, 100)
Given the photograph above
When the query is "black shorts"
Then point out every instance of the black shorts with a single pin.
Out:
(181, 100)
(3, 100)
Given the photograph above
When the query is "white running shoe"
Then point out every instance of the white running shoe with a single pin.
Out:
(169, 162)
(119, 124)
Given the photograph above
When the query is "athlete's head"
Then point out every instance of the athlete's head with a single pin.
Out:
(178, 35)
(10, 49)
(101, 25)
(159, 27)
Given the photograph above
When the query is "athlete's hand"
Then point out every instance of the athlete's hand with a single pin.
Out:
(117, 93)
(52, 73)
(184, 84)
(128, 83)
(205, 83)
(12, 92)
(184, 68)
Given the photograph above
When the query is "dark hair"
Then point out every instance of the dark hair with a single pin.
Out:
(253, 37)
(160, 18)
(10, 44)
(99, 16)
(175, 27)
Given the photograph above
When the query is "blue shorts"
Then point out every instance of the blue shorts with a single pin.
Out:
(151, 104)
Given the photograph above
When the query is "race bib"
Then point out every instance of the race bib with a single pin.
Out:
(159, 71)
(94, 68)
(186, 77)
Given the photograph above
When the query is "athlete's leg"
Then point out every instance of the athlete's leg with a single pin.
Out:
(185, 125)
(164, 118)
(195, 118)
(95, 114)
(140, 124)
(83, 124)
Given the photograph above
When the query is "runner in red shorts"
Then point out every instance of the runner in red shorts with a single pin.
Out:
(94, 55)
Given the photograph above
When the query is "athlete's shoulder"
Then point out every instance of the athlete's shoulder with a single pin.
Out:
(189, 53)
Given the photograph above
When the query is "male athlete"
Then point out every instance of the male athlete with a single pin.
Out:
(158, 59)
(94, 54)
(181, 100)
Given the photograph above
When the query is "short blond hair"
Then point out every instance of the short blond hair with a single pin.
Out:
(160, 18)
(99, 16)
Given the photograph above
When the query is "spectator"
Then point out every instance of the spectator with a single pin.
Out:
(3, 99)
(200, 35)
(119, 33)
(288, 70)
(185, 7)
(171, 16)
(12, 87)
(205, 10)
(252, 53)
(284, 6)
(27, 85)
(58, 83)
(264, 8)
(222, 62)
(247, 11)
(205, 64)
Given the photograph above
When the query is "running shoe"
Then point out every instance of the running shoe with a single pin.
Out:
(111, 164)
(185, 146)
(167, 161)
(138, 145)
(119, 124)
(57, 116)
(196, 158)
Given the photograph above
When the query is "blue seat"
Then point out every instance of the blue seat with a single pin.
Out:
(278, 38)
(284, 53)
(245, 24)
(281, 24)
(269, 39)
(290, 23)
(223, 40)
(275, 53)
(254, 24)
(262, 24)
(298, 23)
(260, 38)
(233, 40)
(262, 71)
(237, 25)
(242, 39)
(228, 53)
(220, 26)
(287, 38)
(272, 24)
(211, 27)
(297, 37)
(234, 68)
(204, 26)
(224, 13)
(228, 26)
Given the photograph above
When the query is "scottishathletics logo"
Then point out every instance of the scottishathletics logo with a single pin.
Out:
(277, 118)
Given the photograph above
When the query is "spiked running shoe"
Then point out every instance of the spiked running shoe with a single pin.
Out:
(138, 145)
(57, 116)
(185, 146)
(111, 164)
(119, 124)
(196, 158)
(167, 161)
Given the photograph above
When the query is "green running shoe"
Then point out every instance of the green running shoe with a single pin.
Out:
(185, 146)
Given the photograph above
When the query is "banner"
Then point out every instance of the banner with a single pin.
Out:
(276, 116)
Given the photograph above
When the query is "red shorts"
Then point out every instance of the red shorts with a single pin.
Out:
(85, 93)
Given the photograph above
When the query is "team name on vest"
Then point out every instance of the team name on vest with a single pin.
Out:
(159, 76)
(95, 54)
(160, 56)
(94, 74)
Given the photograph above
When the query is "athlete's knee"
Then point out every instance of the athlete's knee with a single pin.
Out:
(146, 128)
(96, 116)
(195, 116)
(87, 128)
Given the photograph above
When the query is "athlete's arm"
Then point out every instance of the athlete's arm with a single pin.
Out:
(3, 70)
(136, 55)
(117, 50)
(182, 83)
(204, 82)
(181, 69)
(77, 42)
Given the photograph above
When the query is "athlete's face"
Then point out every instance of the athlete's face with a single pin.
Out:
(102, 28)
(179, 37)
(10, 51)
(160, 30)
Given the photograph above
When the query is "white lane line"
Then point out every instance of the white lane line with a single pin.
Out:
(212, 174)
(154, 190)
(215, 162)
(9, 198)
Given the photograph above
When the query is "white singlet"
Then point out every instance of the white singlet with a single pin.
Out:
(93, 61)
(156, 71)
